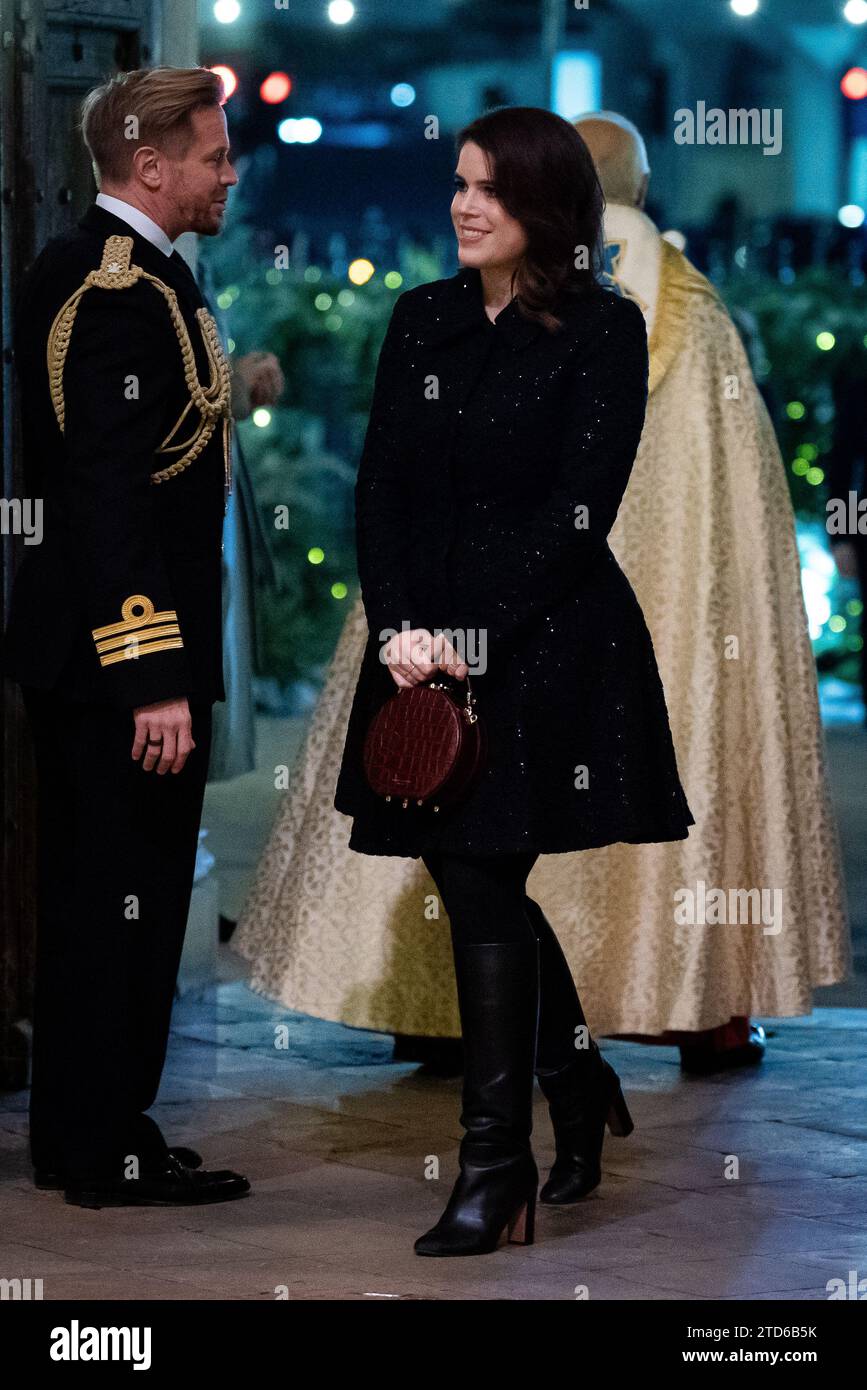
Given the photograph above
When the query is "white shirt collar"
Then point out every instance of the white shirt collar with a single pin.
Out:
(138, 220)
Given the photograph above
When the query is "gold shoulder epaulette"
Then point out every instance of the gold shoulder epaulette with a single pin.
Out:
(213, 401)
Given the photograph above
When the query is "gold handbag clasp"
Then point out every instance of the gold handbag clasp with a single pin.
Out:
(467, 709)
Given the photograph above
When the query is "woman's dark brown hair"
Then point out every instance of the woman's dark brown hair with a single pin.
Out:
(545, 178)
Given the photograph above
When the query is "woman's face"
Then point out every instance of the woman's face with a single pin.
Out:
(487, 235)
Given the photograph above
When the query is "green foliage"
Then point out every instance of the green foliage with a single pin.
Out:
(790, 317)
(326, 332)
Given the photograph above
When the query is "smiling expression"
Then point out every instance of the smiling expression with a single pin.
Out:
(197, 185)
(487, 235)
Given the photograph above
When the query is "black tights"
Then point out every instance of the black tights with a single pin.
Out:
(483, 894)
(486, 900)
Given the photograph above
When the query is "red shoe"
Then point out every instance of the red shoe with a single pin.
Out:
(704, 1059)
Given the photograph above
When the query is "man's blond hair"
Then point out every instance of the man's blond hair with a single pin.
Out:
(150, 106)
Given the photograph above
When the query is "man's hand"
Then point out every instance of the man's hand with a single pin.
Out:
(413, 657)
(846, 559)
(164, 733)
(262, 376)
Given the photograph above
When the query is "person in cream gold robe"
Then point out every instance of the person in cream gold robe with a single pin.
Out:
(706, 536)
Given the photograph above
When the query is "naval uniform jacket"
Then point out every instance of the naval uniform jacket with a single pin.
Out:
(493, 466)
(121, 601)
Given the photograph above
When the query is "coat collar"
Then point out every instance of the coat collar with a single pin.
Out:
(459, 309)
(105, 224)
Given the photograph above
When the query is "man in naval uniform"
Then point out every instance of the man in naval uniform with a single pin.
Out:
(115, 627)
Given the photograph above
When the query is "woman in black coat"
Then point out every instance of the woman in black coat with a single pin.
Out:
(507, 410)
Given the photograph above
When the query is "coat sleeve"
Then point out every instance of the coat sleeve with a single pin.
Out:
(121, 367)
(527, 578)
(381, 510)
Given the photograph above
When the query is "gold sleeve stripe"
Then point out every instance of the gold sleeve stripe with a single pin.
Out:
(134, 650)
(134, 620)
(110, 644)
(141, 631)
(134, 624)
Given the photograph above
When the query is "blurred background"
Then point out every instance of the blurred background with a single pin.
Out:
(330, 114)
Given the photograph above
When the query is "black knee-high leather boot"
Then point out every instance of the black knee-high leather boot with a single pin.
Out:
(582, 1098)
(495, 1193)
(582, 1090)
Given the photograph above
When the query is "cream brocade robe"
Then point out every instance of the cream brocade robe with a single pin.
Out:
(705, 534)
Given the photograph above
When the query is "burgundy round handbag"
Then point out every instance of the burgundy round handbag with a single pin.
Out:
(424, 745)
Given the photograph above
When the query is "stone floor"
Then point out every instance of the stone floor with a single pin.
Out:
(335, 1136)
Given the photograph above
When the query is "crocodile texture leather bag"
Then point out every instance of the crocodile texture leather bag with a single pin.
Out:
(425, 745)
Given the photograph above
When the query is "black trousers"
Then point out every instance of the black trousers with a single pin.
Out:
(486, 900)
(116, 856)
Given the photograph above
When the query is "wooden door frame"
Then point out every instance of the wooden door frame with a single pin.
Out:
(21, 96)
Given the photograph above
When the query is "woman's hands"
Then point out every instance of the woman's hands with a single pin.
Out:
(413, 657)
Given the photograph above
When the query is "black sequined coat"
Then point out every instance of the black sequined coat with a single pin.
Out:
(494, 463)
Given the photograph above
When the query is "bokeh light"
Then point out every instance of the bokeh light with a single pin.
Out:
(403, 94)
(854, 84)
(360, 271)
(276, 87)
(230, 81)
(299, 130)
(341, 11)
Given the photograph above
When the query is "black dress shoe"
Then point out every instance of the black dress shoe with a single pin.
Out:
(704, 1061)
(172, 1186)
(52, 1180)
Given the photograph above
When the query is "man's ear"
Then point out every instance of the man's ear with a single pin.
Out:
(147, 165)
